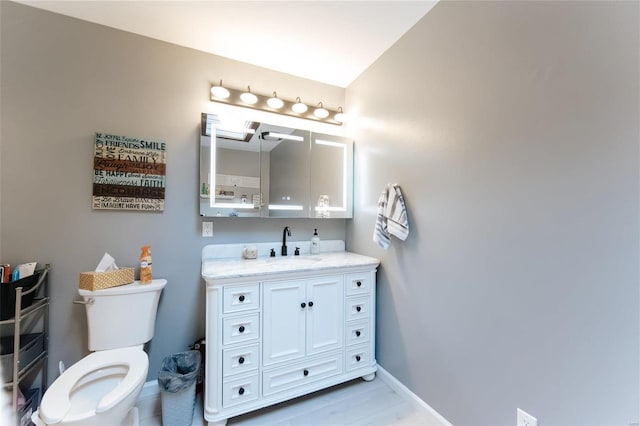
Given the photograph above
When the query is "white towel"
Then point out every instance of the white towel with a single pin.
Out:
(391, 217)
(380, 232)
(397, 220)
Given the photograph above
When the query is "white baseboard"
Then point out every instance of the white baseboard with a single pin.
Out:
(396, 385)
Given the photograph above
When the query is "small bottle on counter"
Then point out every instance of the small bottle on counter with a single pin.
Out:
(315, 242)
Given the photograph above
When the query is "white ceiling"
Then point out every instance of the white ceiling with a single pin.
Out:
(328, 41)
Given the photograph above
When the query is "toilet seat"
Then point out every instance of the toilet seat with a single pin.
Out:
(55, 404)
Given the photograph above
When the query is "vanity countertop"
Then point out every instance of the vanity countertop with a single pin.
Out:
(216, 269)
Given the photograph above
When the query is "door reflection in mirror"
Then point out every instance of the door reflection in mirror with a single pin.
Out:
(285, 154)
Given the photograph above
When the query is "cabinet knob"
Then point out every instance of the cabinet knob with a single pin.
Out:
(305, 372)
(357, 358)
(241, 360)
(241, 298)
(358, 308)
(358, 333)
(241, 391)
(303, 305)
(359, 283)
(310, 304)
(241, 329)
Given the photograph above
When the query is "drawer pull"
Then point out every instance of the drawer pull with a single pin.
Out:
(241, 391)
(357, 358)
(310, 304)
(241, 298)
(303, 305)
(358, 333)
(305, 372)
(359, 283)
(358, 308)
(241, 329)
(241, 360)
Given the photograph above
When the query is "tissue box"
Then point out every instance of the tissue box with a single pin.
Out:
(101, 280)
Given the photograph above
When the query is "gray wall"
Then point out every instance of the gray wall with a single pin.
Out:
(512, 128)
(63, 80)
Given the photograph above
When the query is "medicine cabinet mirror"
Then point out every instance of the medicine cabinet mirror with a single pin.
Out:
(253, 169)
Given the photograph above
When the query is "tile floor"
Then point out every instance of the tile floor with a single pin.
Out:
(353, 403)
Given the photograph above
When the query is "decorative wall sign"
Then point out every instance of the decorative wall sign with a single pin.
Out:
(128, 173)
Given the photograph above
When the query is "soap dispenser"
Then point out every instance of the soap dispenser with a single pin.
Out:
(315, 242)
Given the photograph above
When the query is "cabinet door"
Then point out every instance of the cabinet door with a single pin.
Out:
(284, 321)
(325, 325)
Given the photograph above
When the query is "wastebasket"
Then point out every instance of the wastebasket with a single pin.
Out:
(177, 382)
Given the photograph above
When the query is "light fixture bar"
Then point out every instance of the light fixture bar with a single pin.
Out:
(263, 105)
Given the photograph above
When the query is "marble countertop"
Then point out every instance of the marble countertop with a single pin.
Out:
(214, 269)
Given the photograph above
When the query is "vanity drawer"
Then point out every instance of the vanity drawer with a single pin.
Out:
(358, 308)
(358, 283)
(358, 357)
(357, 333)
(241, 298)
(240, 360)
(285, 378)
(240, 329)
(239, 391)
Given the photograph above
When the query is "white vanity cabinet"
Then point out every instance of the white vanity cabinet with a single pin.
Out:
(301, 318)
(276, 333)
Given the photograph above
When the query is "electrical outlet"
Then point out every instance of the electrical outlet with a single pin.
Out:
(525, 419)
(207, 229)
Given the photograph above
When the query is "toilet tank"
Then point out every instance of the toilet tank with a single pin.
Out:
(122, 316)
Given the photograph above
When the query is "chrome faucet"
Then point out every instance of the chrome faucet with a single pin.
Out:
(285, 232)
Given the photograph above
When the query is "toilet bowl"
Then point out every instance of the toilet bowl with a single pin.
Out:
(103, 387)
(100, 389)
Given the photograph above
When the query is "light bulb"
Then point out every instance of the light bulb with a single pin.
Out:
(321, 112)
(299, 107)
(275, 102)
(219, 91)
(340, 116)
(248, 97)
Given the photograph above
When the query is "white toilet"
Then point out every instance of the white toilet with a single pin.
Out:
(102, 388)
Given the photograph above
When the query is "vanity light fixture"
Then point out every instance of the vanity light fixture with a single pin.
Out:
(248, 97)
(321, 112)
(340, 116)
(299, 107)
(275, 102)
(220, 91)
